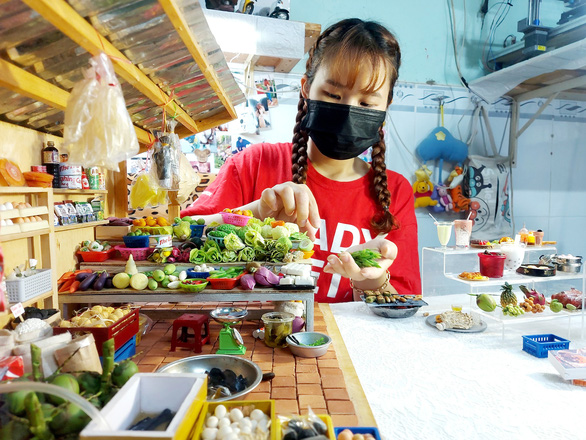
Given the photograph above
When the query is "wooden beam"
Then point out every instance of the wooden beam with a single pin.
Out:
(197, 52)
(68, 21)
(20, 81)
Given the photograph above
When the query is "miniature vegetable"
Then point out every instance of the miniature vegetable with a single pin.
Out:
(121, 280)
(139, 281)
(366, 258)
(130, 268)
(233, 242)
(280, 231)
(265, 277)
(248, 281)
(182, 231)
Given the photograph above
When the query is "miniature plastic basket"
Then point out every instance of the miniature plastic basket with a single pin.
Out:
(95, 256)
(218, 240)
(235, 219)
(358, 430)
(194, 288)
(539, 345)
(137, 253)
(139, 241)
(193, 274)
(225, 283)
(197, 230)
(25, 288)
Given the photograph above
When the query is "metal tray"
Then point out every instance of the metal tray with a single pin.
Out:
(537, 270)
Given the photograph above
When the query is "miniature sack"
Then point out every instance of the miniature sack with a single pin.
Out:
(98, 129)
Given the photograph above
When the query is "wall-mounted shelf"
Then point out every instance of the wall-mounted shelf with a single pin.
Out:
(80, 225)
(79, 191)
(19, 235)
(23, 190)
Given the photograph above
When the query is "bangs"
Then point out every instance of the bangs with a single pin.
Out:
(346, 62)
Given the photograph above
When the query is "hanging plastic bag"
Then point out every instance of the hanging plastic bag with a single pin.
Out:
(166, 152)
(146, 191)
(98, 129)
(188, 179)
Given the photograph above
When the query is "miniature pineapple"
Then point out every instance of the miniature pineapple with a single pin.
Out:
(507, 295)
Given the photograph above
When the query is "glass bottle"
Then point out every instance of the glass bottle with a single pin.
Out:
(51, 161)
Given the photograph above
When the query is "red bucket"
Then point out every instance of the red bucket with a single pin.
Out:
(492, 264)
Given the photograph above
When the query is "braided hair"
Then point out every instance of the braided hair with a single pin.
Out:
(353, 42)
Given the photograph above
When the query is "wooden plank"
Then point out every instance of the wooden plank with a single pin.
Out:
(121, 193)
(197, 52)
(79, 191)
(19, 80)
(23, 190)
(18, 236)
(68, 21)
(312, 31)
(80, 225)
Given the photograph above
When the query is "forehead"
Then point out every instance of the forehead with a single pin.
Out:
(367, 75)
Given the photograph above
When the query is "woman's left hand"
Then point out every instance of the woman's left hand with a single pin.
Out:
(345, 265)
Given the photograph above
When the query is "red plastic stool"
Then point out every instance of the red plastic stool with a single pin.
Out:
(201, 329)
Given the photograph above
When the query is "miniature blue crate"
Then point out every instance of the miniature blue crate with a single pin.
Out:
(197, 230)
(539, 345)
(126, 351)
(359, 430)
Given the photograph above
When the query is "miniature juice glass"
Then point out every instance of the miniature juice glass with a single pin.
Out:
(444, 231)
(463, 230)
(514, 254)
(278, 325)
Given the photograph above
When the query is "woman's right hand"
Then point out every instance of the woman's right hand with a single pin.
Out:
(291, 202)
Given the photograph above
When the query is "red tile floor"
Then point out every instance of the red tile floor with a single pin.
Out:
(298, 383)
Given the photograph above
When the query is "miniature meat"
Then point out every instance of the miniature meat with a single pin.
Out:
(572, 296)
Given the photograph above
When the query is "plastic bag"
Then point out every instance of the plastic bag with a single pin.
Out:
(145, 191)
(188, 179)
(166, 152)
(98, 129)
(301, 427)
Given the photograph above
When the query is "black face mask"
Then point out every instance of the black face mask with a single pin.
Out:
(342, 131)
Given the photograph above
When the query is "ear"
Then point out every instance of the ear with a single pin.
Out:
(304, 87)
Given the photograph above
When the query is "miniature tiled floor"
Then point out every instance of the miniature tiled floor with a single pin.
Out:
(298, 383)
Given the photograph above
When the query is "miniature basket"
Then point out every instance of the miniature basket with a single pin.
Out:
(137, 241)
(194, 288)
(218, 240)
(95, 256)
(539, 345)
(25, 288)
(235, 219)
(197, 230)
(225, 283)
(137, 253)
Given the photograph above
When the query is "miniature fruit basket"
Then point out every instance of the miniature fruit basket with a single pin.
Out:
(193, 285)
(235, 219)
(539, 345)
(95, 256)
(138, 254)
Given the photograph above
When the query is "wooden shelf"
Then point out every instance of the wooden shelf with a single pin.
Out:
(10, 237)
(23, 190)
(79, 191)
(37, 298)
(80, 226)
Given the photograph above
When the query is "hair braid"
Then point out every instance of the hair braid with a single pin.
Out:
(299, 153)
(382, 221)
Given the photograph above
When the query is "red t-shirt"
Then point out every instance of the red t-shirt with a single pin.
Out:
(345, 210)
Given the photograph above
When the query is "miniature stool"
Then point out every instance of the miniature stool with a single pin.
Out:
(201, 329)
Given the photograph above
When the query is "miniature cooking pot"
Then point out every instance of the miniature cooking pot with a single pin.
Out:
(567, 259)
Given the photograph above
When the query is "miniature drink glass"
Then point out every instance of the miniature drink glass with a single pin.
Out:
(444, 231)
(514, 254)
(463, 230)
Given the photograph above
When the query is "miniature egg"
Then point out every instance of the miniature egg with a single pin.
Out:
(19, 220)
(27, 220)
(8, 205)
(28, 205)
(253, 424)
(224, 422)
(236, 415)
(38, 218)
(2, 222)
(245, 423)
(9, 222)
(257, 414)
(346, 434)
(220, 411)
(231, 436)
(212, 422)
(224, 431)
(2, 207)
(209, 434)
(246, 430)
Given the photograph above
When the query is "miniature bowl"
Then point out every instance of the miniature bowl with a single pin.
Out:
(194, 288)
(203, 363)
(307, 338)
(393, 312)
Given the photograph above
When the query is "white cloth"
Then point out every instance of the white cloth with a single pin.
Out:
(425, 384)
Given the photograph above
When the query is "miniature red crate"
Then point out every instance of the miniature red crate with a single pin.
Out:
(225, 283)
(94, 256)
(122, 330)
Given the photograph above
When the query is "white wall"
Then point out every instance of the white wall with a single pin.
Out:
(548, 191)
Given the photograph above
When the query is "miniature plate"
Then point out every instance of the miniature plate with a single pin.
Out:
(484, 278)
(430, 320)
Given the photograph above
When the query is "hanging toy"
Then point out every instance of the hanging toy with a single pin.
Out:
(456, 177)
(423, 188)
(445, 199)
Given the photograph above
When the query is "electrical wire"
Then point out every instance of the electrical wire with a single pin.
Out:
(415, 158)
(497, 20)
(452, 16)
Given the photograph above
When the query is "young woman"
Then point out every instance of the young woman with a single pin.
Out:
(342, 201)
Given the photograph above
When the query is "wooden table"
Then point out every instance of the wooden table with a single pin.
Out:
(176, 295)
